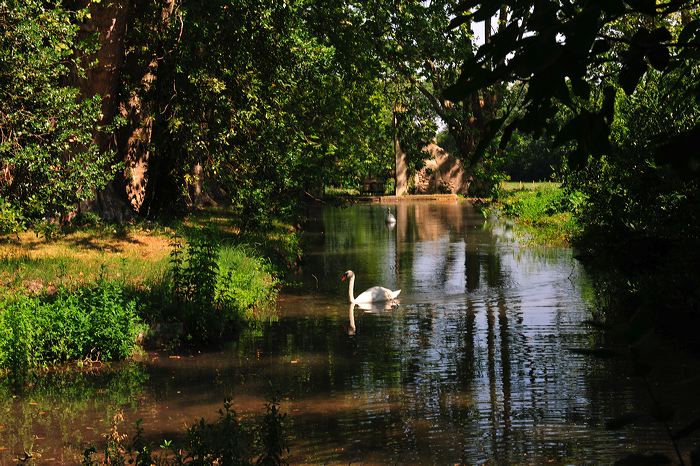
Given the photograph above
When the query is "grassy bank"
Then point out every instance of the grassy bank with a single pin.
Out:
(543, 212)
(97, 293)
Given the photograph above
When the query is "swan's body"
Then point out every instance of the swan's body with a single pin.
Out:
(375, 294)
(390, 219)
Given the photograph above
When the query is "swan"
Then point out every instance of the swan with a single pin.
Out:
(390, 219)
(375, 294)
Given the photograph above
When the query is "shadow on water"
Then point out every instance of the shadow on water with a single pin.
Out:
(485, 359)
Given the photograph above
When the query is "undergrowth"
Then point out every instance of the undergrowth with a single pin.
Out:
(545, 215)
(95, 323)
(214, 289)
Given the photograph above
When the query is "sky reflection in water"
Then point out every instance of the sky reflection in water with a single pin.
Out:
(472, 366)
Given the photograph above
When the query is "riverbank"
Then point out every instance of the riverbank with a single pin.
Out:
(543, 213)
(100, 293)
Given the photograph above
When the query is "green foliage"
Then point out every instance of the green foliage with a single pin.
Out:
(635, 190)
(547, 213)
(245, 284)
(217, 289)
(531, 158)
(419, 51)
(226, 441)
(94, 323)
(559, 49)
(11, 219)
(266, 101)
(273, 441)
(47, 156)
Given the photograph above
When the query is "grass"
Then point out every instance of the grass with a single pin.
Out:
(137, 255)
(527, 185)
(31, 263)
(227, 278)
(544, 212)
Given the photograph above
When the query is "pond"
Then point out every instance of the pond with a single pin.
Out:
(486, 358)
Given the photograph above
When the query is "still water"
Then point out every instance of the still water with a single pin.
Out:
(481, 361)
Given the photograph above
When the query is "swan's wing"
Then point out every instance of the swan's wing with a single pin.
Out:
(374, 295)
(394, 294)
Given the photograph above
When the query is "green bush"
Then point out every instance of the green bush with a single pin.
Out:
(11, 220)
(244, 285)
(217, 289)
(96, 323)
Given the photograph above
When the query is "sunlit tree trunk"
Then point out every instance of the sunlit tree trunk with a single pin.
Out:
(109, 21)
(401, 168)
(142, 177)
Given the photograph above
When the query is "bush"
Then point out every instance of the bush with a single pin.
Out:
(244, 285)
(11, 220)
(95, 323)
(217, 289)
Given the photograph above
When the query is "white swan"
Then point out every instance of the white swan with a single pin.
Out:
(375, 294)
(390, 219)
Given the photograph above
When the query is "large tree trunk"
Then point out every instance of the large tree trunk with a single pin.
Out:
(109, 20)
(401, 168)
(129, 191)
(141, 177)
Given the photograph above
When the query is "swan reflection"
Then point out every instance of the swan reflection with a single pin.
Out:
(367, 307)
(378, 307)
(351, 319)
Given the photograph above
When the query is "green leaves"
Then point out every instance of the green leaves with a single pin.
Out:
(644, 43)
(97, 322)
(46, 128)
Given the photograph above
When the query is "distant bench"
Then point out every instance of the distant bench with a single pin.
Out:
(372, 186)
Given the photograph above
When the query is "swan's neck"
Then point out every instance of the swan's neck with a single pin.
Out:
(351, 288)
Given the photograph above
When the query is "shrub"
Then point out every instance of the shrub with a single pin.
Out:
(217, 289)
(11, 220)
(96, 323)
(244, 285)
(226, 441)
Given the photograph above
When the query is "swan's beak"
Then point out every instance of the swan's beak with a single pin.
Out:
(343, 277)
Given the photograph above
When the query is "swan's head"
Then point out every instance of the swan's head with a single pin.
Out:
(347, 275)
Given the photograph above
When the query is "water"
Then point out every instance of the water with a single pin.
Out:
(475, 365)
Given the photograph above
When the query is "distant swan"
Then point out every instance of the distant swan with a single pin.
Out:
(373, 295)
(390, 219)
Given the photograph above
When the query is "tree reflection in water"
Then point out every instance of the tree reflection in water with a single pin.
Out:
(473, 366)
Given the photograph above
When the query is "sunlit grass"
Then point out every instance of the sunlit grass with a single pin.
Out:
(277, 241)
(528, 185)
(30, 262)
(137, 255)
(542, 212)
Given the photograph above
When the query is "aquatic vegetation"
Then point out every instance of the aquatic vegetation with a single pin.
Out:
(228, 440)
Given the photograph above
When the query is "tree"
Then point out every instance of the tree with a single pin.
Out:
(558, 49)
(48, 157)
(418, 48)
